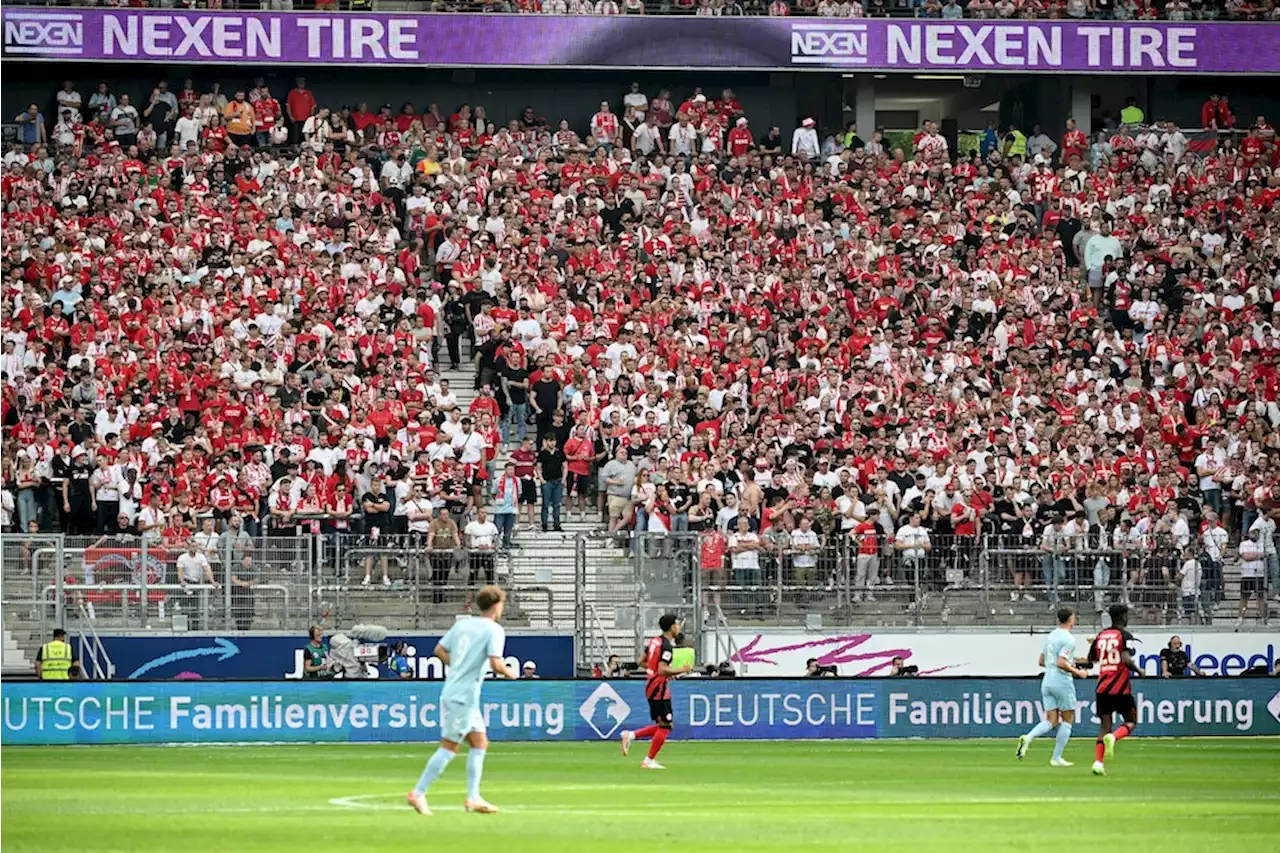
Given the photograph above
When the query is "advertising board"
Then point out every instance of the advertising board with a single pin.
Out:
(782, 654)
(531, 710)
(604, 41)
(197, 656)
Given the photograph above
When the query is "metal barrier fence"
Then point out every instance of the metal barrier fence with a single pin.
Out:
(610, 590)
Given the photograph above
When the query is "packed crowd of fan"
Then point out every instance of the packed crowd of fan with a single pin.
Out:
(1120, 10)
(238, 308)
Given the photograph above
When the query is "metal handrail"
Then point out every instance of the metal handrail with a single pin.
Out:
(142, 588)
(94, 646)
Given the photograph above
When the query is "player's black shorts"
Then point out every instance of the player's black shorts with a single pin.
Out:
(1121, 704)
(660, 712)
(579, 484)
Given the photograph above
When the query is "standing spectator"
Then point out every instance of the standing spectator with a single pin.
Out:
(1040, 145)
(913, 545)
(376, 504)
(1266, 527)
(482, 539)
(1188, 580)
(867, 565)
(238, 117)
(579, 450)
(804, 140)
(506, 494)
(619, 477)
(31, 127)
(300, 106)
(1214, 539)
(101, 102)
(744, 549)
(161, 113)
(443, 542)
(683, 137)
(244, 577)
(1252, 576)
(604, 126)
(69, 99)
(805, 545)
(124, 122)
(552, 473)
(266, 120)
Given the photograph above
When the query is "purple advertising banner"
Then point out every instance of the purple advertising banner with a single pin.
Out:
(539, 41)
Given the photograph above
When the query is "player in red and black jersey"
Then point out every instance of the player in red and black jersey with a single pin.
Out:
(1112, 652)
(657, 689)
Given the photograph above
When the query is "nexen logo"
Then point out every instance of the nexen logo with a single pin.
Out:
(46, 34)
(829, 44)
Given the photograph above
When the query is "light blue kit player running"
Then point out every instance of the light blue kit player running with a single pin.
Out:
(1058, 690)
(469, 645)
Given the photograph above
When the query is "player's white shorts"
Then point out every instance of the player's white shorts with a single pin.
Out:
(1058, 697)
(459, 720)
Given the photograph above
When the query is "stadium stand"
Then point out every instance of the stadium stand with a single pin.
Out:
(241, 318)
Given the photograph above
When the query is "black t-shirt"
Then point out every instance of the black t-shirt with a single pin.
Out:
(79, 432)
(380, 520)
(517, 395)
(315, 397)
(551, 463)
(1177, 660)
(1002, 508)
(546, 393)
(288, 396)
(78, 482)
(454, 492)
(680, 495)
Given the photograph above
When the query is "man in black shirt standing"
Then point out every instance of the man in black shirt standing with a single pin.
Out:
(77, 499)
(546, 399)
(551, 473)
(376, 504)
(515, 385)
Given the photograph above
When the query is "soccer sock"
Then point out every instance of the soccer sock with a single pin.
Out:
(435, 766)
(1041, 728)
(1099, 751)
(1064, 735)
(659, 738)
(646, 732)
(1123, 732)
(475, 769)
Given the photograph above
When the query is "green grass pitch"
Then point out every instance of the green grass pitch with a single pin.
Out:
(1163, 796)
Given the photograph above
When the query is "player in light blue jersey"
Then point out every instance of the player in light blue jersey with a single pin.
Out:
(1058, 690)
(466, 649)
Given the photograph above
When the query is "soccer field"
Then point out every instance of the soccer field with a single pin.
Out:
(905, 797)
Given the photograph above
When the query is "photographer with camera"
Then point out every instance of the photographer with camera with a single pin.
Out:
(812, 669)
(899, 669)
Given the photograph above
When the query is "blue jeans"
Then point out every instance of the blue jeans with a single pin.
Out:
(1213, 497)
(518, 416)
(1055, 570)
(552, 497)
(506, 524)
(28, 508)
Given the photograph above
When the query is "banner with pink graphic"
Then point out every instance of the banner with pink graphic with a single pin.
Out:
(781, 654)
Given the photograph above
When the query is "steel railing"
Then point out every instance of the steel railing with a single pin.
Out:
(610, 589)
